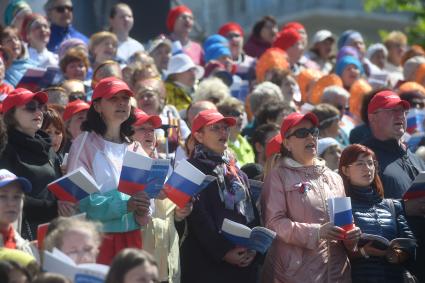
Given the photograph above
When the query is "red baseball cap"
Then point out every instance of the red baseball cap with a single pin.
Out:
(22, 96)
(294, 119)
(384, 100)
(230, 26)
(294, 25)
(108, 87)
(286, 38)
(174, 14)
(73, 108)
(274, 145)
(142, 117)
(209, 117)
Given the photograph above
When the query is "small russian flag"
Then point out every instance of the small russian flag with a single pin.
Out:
(140, 173)
(74, 186)
(340, 212)
(185, 182)
(36, 79)
(414, 120)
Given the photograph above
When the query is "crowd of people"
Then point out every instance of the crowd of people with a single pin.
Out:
(313, 118)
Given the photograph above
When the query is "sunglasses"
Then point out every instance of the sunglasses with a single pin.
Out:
(304, 132)
(33, 106)
(62, 9)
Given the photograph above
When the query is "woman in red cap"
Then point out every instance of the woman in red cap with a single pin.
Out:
(180, 23)
(206, 255)
(100, 149)
(308, 248)
(29, 154)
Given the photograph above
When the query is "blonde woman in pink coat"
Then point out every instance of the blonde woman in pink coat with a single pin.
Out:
(308, 248)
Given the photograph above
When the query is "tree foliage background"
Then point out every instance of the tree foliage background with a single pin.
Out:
(415, 32)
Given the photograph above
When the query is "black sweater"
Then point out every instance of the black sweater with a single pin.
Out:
(34, 159)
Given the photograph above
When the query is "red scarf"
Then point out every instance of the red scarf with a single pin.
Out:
(9, 238)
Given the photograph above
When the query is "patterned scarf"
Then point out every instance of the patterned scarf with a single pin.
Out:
(232, 187)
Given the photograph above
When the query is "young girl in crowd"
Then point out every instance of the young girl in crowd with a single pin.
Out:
(131, 266)
(12, 191)
(100, 149)
(373, 214)
(54, 127)
(29, 154)
(308, 247)
(217, 259)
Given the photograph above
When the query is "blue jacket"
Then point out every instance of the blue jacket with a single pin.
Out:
(59, 34)
(373, 215)
(17, 70)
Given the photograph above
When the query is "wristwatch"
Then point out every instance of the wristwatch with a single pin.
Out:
(363, 252)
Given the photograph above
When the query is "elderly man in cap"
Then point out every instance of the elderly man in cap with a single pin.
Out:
(398, 165)
(59, 14)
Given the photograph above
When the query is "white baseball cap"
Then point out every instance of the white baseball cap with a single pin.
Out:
(7, 177)
(321, 35)
(180, 63)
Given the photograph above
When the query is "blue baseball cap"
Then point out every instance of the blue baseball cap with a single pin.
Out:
(7, 177)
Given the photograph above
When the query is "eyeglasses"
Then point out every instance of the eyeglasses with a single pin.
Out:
(343, 108)
(393, 111)
(304, 132)
(218, 128)
(364, 164)
(33, 106)
(62, 9)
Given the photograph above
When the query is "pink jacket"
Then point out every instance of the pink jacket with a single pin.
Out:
(294, 205)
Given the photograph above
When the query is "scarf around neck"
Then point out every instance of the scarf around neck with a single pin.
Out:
(232, 188)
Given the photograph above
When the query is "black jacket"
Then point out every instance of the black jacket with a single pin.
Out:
(203, 249)
(373, 215)
(397, 167)
(34, 159)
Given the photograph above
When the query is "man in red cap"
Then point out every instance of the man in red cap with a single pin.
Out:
(244, 63)
(179, 24)
(398, 165)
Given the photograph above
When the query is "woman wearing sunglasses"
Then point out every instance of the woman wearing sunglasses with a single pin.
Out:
(308, 248)
(373, 215)
(100, 149)
(206, 255)
(29, 154)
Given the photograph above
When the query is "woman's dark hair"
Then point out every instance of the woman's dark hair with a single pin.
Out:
(126, 260)
(272, 110)
(326, 113)
(365, 103)
(349, 156)
(277, 76)
(3, 136)
(9, 119)
(114, 9)
(258, 26)
(260, 135)
(94, 122)
(52, 117)
(51, 278)
(7, 266)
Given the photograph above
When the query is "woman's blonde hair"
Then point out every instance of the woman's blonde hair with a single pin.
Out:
(62, 225)
(98, 37)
